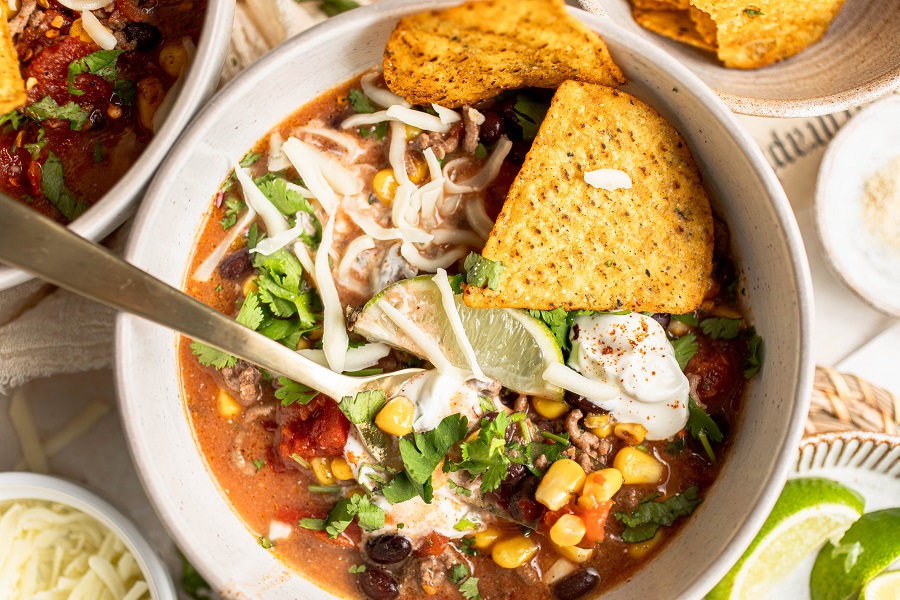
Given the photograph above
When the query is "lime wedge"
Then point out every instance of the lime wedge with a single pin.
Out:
(869, 547)
(884, 587)
(808, 513)
(510, 345)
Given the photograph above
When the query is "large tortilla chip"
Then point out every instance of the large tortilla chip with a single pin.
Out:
(662, 4)
(704, 25)
(476, 50)
(766, 31)
(674, 24)
(12, 88)
(565, 243)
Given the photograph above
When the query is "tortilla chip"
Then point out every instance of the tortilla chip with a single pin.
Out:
(661, 4)
(674, 24)
(766, 31)
(704, 25)
(565, 243)
(12, 88)
(476, 50)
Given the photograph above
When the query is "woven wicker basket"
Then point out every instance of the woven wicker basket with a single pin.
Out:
(842, 402)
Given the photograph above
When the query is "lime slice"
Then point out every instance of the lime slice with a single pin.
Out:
(869, 547)
(884, 587)
(808, 513)
(510, 345)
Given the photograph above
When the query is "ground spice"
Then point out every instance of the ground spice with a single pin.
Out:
(881, 204)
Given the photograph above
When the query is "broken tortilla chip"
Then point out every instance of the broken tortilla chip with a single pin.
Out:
(662, 4)
(674, 24)
(757, 35)
(704, 25)
(564, 243)
(12, 88)
(474, 51)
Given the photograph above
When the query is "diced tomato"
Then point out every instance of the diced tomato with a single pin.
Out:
(50, 68)
(718, 365)
(595, 522)
(433, 545)
(315, 429)
(552, 516)
(130, 11)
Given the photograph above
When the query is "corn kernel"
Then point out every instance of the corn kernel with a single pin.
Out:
(384, 184)
(396, 418)
(601, 485)
(172, 59)
(250, 285)
(568, 530)
(322, 470)
(429, 590)
(574, 553)
(637, 466)
(412, 133)
(642, 549)
(419, 171)
(562, 481)
(725, 311)
(150, 95)
(599, 425)
(76, 30)
(678, 329)
(486, 538)
(514, 552)
(228, 406)
(341, 470)
(630, 433)
(549, 409)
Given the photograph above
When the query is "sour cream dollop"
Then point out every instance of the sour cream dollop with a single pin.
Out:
(438, 395)
(632, 352)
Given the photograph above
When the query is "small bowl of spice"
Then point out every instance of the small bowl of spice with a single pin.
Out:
(57, 540)
(858, 205)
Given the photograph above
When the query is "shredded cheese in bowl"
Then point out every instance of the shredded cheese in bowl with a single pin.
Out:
(60, 541)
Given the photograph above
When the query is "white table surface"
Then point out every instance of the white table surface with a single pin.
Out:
(100, 460)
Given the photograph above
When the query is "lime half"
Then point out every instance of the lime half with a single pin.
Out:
(808, 513)
(884, 587)
(510, 345)
(869, 547)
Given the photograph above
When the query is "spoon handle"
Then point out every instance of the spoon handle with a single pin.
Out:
(34, 243)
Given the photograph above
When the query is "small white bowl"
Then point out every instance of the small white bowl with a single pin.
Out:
(201, 80)
(30, 486)
(865, 145)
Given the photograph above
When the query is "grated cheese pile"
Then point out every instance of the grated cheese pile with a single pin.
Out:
(52, 551)
(881, 205)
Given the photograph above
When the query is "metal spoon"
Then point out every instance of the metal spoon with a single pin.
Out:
(34, 243)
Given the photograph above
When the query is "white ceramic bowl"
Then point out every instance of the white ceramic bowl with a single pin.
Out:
(864, 146)
(30, 486)
(765, 237)
(856, 61)
(119, 203)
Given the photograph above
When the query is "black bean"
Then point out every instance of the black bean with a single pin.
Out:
(508, 397)
(492, 128)
(725, 272)
(388, 549)
(577, 584)
(580, 402)
(378, 584)
(236, 265)
(522, 505)
(662, 318)
(514, 473)
(144, 35)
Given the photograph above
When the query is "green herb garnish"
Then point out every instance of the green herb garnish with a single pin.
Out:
(649, 516)
(685, 348)
(482, 272)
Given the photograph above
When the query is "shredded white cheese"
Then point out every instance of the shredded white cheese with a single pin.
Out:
(373, 229)
(209, 265)
(279, 241)
(447, 300)
(29, 439)
(412, 256)
(419, 119)
(55, 551)
(379, 95)
(354, 249)
(458, 237)
(255, 199)
(302, 252)
(78, 5)
(102, 36)
(446, 115)
(348, 144)
(562, 376)
(478, 218)
(359, 358)
(277, 161)
(307, 165)
(334, 334)
(361, 119)
(397, 156)
(488, 172)
(608, 179)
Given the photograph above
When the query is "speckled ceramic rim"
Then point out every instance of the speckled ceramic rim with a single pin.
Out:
(823, 216)
(31, 486)
(775, 465)
(119, 203)
(797, 107)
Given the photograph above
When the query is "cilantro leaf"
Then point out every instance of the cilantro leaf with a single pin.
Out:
(125, 90)
(469, 589)
(530, 114)
(752, 360)
(465, 524)
(753, 12)
(288, 202)
(702, 428)
(480, 151)
(312, 524)
(458, 572)
(685, 348)
(47, 108)
(360, 102)
(281, 287)
(363, 407)
(456, 283)
(54, 187)
(291, 392)
(101, 62)
(369, 516)
(259, 464)
(339, 518)
(357, 569)
(233, 207)
(250, 315)
(249, 159)
(212, 357)
(402, 488)
(689, 319)
(422, 455)
(481, 271)
(14, 118)
(557, 321)
(488, 455)
(721, 328)
(649, 516)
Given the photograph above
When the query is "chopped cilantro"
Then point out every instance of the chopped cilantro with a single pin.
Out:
(98, 152)
(324, 489)
(422, 455)
(369, 516)
(125, 90)
(101, 63)
(753, 12)
(249, 159)
(459, 489)
(47, 108)
(456, 283)
(287, 201)
(379, 131)
(685, 348)
(266, 542)
(291, 392)
(753, 360)
(465, 524)
(402, 488)
(400, 525)
(233, 207)
(259, 464)
(721, 328)
(14, 118)
(702, 428)
(336, 7)
(689, 319)
(458, 572)
(480, 151)
(530, 114)
(312, 524)
(360, 102)
(556, 320)
(363, 407)
(282, 288)
(649, 516)
(55, 190)
(481, 271)
(469, 589)
(466, 546)
(192, 582)
(250, 315)
(560, 439)
(488, 455)
(357, 569)
(212, 357)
